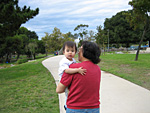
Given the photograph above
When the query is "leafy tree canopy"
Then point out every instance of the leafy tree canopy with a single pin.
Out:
(140, 18)
(55, 40)
(82, 30)
(12, 16)
(28, 33)
(120, 30)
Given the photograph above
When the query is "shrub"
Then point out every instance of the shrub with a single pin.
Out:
(20, 61)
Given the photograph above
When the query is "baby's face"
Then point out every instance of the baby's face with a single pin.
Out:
(69, 52)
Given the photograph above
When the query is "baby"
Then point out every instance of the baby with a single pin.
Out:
(69, 50)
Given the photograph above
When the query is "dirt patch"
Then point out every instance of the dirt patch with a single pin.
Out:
(126, 68)
(125, 65)
(148, 74)
(2, 67)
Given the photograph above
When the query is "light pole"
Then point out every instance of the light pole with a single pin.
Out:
(108, 39)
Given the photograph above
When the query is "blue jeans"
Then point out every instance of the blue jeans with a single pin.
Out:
(96, 110)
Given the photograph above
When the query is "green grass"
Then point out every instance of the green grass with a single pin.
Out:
(14, 62)
(28, 88)
(123, 65)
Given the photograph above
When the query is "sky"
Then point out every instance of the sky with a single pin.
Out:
(67, 14)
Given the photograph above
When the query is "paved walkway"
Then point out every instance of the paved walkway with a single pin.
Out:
(116, 95)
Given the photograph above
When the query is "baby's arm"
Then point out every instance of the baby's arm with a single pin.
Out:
(75, 70)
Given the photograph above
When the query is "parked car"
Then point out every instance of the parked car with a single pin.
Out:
(133, 48)
(144, 46)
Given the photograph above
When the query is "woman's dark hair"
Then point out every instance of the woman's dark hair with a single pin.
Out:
(91, 51)
(70, 44)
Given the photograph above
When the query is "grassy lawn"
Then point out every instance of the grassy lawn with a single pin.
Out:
(123, 65)
(14, 62)
(28, 88)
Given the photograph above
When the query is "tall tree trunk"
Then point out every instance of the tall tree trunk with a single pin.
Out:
(146, 28)
(104, 47)
(8, 57)
(141, 41)
(34, 56)
(46, 51)
(18, 55)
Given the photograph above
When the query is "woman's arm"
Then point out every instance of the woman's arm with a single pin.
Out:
(60, 88)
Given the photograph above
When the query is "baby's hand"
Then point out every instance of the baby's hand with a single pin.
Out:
(82, 71)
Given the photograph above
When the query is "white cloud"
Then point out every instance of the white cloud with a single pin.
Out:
(67, 14)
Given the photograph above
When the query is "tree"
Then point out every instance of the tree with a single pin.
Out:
(32, 46)
(82, 30)
(72, 36)
(55, 40)
(140, 18)
(63, 39)
(11, 18)
(28, 37)
(100, 37)
(66, 37)
(52, 42)
(120, 31)
(45, 40)
(13, 44)
(76, 35)
(20, 45)
(41, 47)
(30, 34)
(90, 36)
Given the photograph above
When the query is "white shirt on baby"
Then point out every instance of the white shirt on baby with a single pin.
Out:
(64, 64)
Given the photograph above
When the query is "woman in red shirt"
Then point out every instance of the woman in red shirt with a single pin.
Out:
(83, 90)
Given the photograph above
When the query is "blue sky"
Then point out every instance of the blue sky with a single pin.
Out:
(67, 14)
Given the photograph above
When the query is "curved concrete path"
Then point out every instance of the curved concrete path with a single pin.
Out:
(116, 94)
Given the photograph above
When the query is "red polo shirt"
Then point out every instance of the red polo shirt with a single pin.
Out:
(83, 90)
